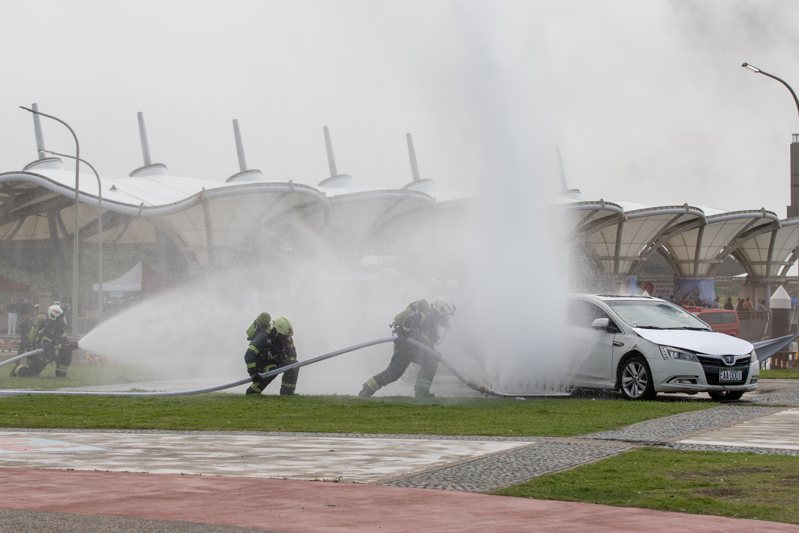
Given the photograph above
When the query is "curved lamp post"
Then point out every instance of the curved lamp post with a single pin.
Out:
(795, 101)
(75, 238)
(99, 230)
(763, 72)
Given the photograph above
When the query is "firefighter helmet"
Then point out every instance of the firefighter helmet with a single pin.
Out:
(283, 326)
(54, 311)
(443, 307)
(261, 322)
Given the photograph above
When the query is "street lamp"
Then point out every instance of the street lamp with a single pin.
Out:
(75, 247)
(763, 72)
(793, 209)
(99, 229)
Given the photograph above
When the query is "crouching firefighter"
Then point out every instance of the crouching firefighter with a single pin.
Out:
(419, 321)
(47, 333)
(271, 346)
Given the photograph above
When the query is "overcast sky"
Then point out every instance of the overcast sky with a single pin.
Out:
(645, 100)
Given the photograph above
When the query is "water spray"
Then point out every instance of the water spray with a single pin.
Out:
(482, 389)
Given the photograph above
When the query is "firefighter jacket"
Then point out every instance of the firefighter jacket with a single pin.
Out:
(50, 337)
(270, 345)
(418, 322)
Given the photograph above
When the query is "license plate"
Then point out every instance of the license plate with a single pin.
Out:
(730, 374)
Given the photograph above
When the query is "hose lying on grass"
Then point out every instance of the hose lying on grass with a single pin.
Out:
(765, 349)
(190, 392)
(483, 389)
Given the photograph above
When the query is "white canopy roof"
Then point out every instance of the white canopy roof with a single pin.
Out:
(213, 221)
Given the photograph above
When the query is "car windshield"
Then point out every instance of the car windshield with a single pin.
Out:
(655, 315)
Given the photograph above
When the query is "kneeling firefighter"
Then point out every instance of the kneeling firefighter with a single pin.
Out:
(271, 346)
(47, 333)
(420, 321)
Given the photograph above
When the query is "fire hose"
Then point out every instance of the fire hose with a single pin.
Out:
(20, 356)
(190, 392)
(483, 389)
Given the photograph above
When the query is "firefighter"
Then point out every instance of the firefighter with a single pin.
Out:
(47, 333)
(419, 321)
(272, 347)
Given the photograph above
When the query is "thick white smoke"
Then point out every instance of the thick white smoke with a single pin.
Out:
(507, 251)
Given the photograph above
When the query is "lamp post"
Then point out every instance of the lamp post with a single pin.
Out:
(763, 72)
(99, 230)
(793, 209)
(75, 247)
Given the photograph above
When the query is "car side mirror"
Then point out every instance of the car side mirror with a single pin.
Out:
(601, 323)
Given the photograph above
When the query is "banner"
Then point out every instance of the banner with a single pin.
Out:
(697, 292)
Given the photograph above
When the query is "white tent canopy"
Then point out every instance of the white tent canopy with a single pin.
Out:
(130, 281)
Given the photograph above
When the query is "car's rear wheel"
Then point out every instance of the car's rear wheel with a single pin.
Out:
(635, 379)
(726, 395)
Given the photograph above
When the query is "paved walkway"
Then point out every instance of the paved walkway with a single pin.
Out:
(204, 481)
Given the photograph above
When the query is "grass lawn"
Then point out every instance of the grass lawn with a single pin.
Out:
(739, 485)
(332, 414)
(438, 416)
(781, 373)
(77, 376)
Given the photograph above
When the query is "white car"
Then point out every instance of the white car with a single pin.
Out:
(642, 346)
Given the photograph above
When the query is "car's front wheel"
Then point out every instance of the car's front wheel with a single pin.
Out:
(726, 395)
(635, 379)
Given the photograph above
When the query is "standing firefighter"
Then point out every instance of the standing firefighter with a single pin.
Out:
(271, 346)
(47, 334)
(419, 321)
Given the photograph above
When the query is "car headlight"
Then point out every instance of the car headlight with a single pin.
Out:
(669, 352)
(753, 357)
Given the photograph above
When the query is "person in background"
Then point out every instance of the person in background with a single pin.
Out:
(12, 318)
(271, 347)
(728, 304)
(27, 312)
(420, 321)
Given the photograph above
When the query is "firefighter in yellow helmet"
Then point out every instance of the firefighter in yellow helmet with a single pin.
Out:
(271, 347)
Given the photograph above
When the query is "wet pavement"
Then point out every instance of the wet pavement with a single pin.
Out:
(778, 431)
(362, 459)
(58, 480)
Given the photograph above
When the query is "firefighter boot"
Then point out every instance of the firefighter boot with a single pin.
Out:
(369, 388)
